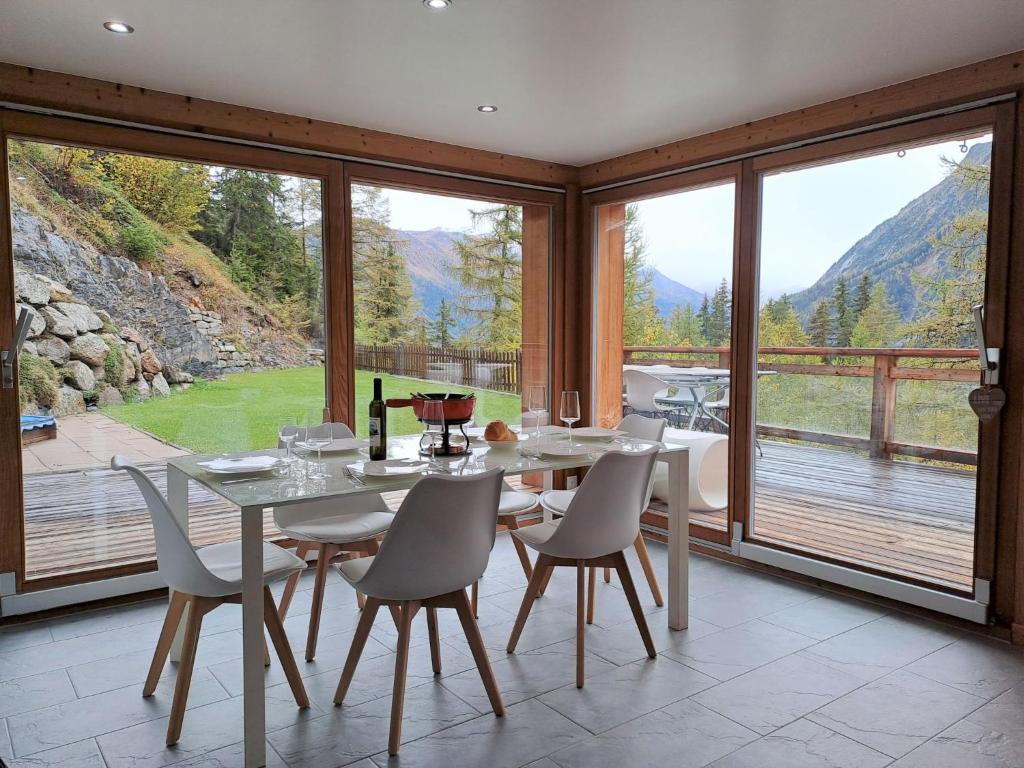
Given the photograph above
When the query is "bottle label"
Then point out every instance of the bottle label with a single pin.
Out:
(374, 432)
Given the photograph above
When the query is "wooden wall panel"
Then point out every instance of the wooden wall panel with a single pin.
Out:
(610, 241)
(53, 90)
(992, 77)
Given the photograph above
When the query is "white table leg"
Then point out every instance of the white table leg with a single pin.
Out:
(177, 497)
(678, 539)
(253, 704)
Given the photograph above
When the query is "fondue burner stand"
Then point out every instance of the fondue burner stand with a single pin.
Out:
(446, 448)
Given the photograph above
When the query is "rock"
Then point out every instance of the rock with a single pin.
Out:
(69, 402)
(142, 390)
(54, 349)
(37, 324)
(195, 278)
(30, 347)
(182, 387)
(58, 323)
(130, 334)
(150, 363)
(113, 339)
(128, 372)
(79, 375)
(89, 348)
(85, 319)
(104, 317)
(33, 289)
(177, 376)
(58, 291)
(109, 396)
(160, 386)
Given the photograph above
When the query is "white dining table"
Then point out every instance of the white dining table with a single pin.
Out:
(253, 495)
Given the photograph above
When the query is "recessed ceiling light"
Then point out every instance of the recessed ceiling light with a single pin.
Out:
(118, 27)
(438, 5)
(487, 108)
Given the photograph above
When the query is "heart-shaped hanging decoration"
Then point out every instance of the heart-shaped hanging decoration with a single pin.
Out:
(987, 402)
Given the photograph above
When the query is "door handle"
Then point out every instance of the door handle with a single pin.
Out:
(989, 356)
(9, 356)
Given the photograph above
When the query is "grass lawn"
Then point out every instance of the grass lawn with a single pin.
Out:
(243, 411)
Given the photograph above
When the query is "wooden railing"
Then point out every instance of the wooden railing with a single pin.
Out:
(882, 366)
(479, 368)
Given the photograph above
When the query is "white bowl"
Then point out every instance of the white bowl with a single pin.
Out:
(502, 445)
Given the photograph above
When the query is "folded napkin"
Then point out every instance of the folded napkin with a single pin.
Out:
(242, 463)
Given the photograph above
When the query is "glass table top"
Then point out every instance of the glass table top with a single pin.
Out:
(289, 485)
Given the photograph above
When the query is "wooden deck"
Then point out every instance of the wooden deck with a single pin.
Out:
(899, 517)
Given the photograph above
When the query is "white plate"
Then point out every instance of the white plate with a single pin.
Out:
(505, 446)
(339, 445)
(243, 465)
(564, 450)
(389, 467)
(597, 433)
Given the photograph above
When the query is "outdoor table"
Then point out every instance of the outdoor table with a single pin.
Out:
(254, 495)
(700, 382)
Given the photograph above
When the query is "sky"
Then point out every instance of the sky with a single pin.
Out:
(810, 217)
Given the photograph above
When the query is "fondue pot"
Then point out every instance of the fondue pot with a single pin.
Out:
(458, 409)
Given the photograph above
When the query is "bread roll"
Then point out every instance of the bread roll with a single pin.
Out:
(498, 431)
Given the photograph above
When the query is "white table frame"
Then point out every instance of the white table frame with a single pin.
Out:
(253, 692)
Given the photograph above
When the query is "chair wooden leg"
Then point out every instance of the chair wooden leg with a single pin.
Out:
(409, 608)
(476, 646)
(581, 607)
(622, 568)
(301, 550)
(275, 628)
(435, 641)
(545, 580)
(198, 606)
(591, 593)
(163, 645)
(607, 575)
(645, 562)
(323, 562)
(372, 547)
(358, 643)
(541, 571)
(475, 600)
(524, 557)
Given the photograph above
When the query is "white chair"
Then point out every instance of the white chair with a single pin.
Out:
(601, 521)
(557, 502)
(642, 390)
(200, 580)
(329, 528)
(511, 505)
(709, 470)
(438, 545)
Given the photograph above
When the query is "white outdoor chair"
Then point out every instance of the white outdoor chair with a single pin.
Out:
(329, 528)
(438, 545)
(642, 389)
(200, 580)
(601, 521)
(709, 470)
(557, 502)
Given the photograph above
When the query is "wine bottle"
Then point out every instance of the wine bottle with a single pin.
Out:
(378, 424)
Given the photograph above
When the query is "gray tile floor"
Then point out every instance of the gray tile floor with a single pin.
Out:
(770, 673)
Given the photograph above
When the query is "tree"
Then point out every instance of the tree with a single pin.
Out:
(641, 323)
(778, 325)
(879, 323)
(845, 315)
(684, 327)
(704, 318)
(721, 316)
(441, 332)
(821, 326)
(386, 308)
(863, 297)
(491, 273)
(944, 315)
(170, 193)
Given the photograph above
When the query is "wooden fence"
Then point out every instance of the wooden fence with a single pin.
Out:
(882, 366)
(476, 368)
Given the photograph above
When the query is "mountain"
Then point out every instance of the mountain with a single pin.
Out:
(901, 246)
(669, 294)
(431, 259)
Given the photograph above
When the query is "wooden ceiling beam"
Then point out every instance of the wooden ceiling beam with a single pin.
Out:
(992, 77)
(100, 98)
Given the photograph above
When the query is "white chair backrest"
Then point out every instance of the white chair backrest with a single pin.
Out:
(440, 540)
(177, 561)
(604, 514)
(644, 428)
(641, 387)
(285, 517)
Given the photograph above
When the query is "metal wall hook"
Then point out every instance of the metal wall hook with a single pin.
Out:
(989, 356)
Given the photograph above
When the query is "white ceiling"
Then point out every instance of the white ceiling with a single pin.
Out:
(575, 80)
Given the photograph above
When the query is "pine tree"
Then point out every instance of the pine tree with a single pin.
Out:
(684, 327)
(879, 323)
(441, 333)
(491, 273)
(821, 325)
(641, 323)
(721, 316)
(386, 307)
(704, 318)
(845, 317)
(778, 325)
(863, 297)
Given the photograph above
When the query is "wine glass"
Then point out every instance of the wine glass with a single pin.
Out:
(536, 402)
(287, 434)
(570, 411)
(318, 434)
(432, 417)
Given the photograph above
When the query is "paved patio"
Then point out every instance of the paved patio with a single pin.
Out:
(89, 440)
